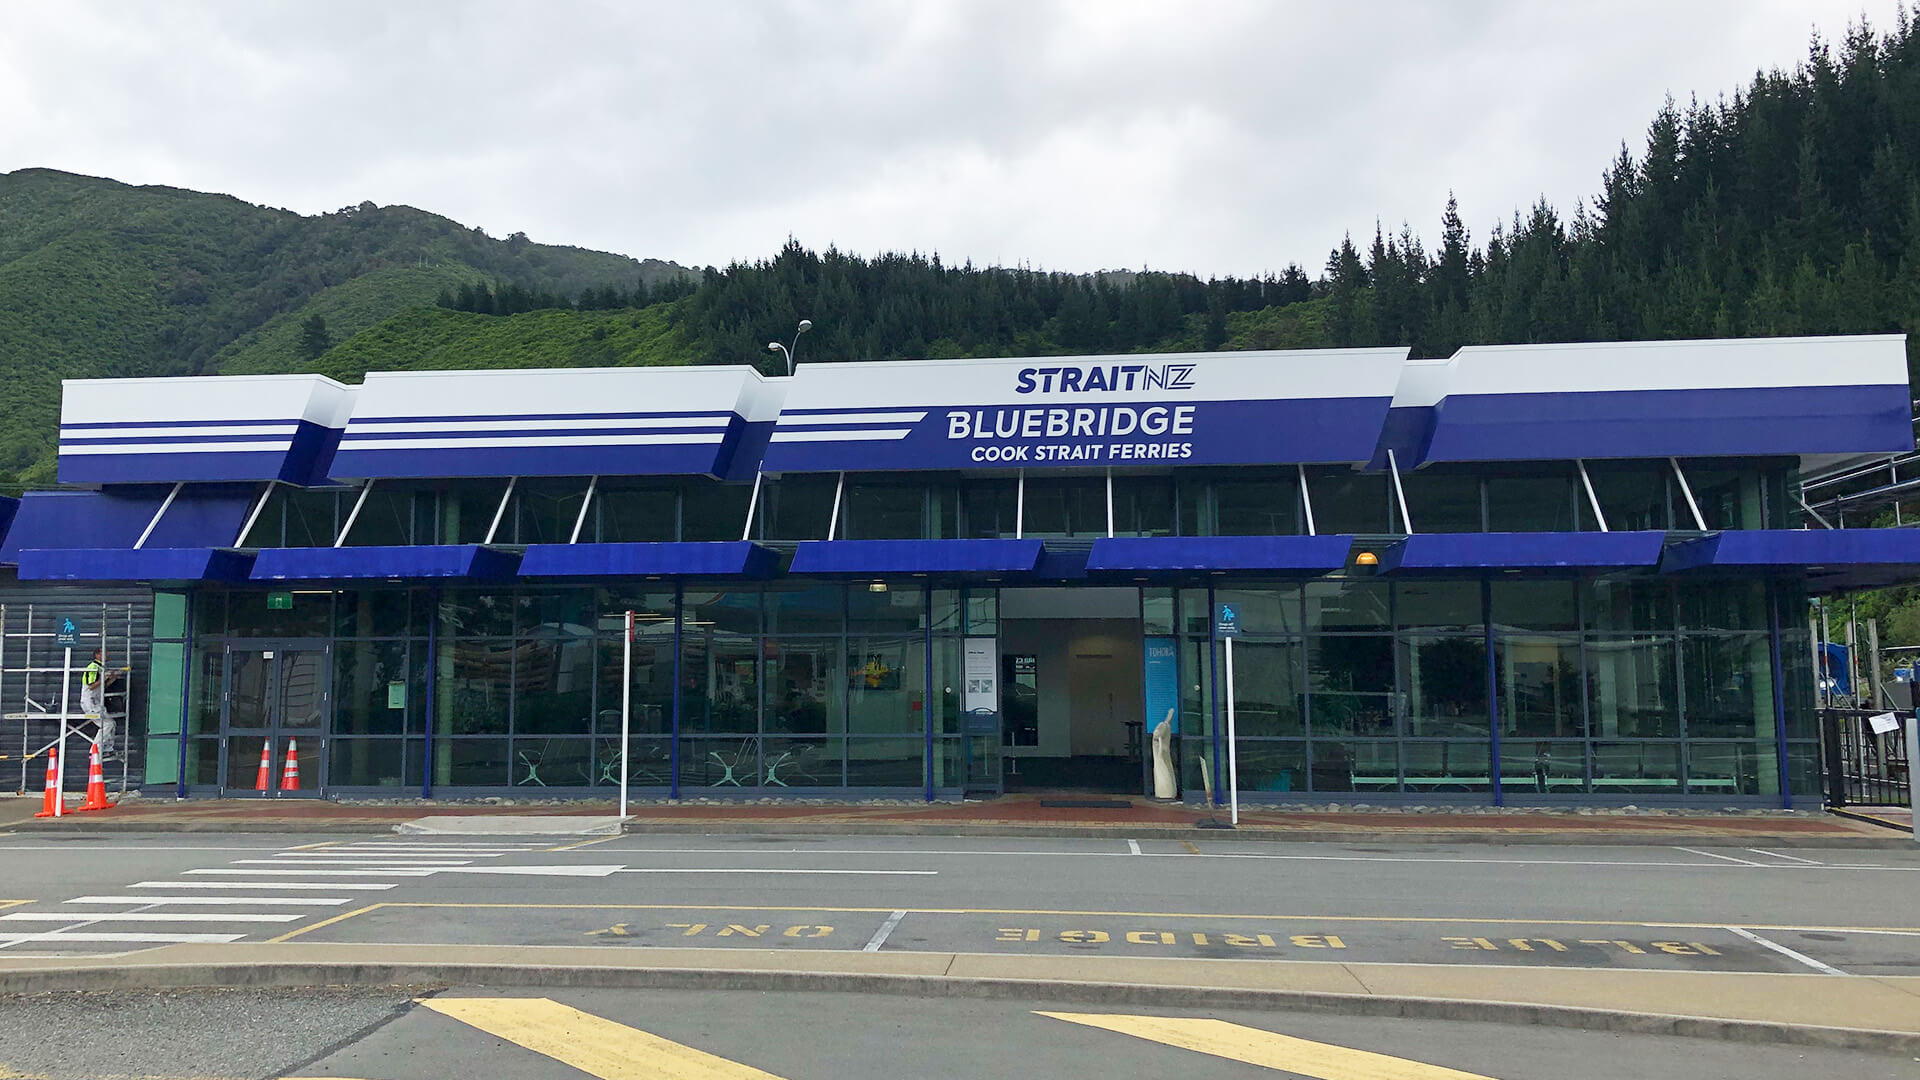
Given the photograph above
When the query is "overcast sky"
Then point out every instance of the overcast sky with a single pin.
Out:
(1218, 137)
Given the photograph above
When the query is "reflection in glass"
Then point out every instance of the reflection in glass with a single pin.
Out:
(1631, 688)
(1446, 685)
(1267, 688)
(1539, 686)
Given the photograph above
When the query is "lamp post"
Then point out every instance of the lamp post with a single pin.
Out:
(788, 350)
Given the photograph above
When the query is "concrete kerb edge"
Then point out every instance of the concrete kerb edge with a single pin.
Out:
(184, 976)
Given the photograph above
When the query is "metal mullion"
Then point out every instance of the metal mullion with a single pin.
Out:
(499, 512)
(1687, 490)
(586, 504)
(1306, 504)
(354, 514)
(265, 494)
(154, 522)
(1592, 499)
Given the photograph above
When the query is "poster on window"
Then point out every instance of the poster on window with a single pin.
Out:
(980, 678)
(1163, 684)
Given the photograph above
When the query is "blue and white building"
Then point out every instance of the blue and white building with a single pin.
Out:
(1522, 574)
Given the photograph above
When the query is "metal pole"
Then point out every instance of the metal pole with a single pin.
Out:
(1853, 669)
(1399, 493)
(1826, 638)
(626, 709)
(60, 748)
(354, 515)
(1873, 660)
(1109, 503)
(1599, 516)
(1306, 499)
(586, 504)
(499, 512)
(1913, 755)
(1020, 505)
(1233, 749)
(753, 501)
(153, 524)
(1687, 490)
(259, 505)
(833, 521)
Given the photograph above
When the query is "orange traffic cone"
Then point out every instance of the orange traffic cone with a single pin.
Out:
(263, 781)
(96, 783)
(51, 808)
(290, 776)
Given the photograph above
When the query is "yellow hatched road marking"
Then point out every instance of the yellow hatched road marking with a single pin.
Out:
(1323, 1061)
(594, 1045)
(13, 903)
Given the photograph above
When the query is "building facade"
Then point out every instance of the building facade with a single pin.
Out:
(1523, 574)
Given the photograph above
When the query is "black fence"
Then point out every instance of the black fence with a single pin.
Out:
(1863, 767)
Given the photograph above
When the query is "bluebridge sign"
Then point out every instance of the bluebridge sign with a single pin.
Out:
(1187, 409)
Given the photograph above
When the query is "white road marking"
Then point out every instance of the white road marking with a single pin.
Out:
(1133, 847)
(367, 867)
(389, 856)
(150, 939)
(1777, 855)
(1824, 969)
(751, 870)
(311, 872)
(214, 901)
(145, 916)
(261, 885)
(879, 937)
(1711, 855)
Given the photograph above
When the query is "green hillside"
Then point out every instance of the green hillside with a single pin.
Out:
(428, 339)
(100, 278)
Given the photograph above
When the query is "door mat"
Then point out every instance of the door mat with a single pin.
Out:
(1088, 804)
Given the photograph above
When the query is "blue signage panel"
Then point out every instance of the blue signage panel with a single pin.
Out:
(1226, 621)
(1163, 684)
(68, 635)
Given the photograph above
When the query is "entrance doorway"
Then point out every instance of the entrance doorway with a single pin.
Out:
(276, 703)
(1072, 679)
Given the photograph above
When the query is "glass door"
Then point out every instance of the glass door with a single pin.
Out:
(276, 720)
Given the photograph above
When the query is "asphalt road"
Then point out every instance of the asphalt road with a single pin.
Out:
(429, 1034)
(1732, 909)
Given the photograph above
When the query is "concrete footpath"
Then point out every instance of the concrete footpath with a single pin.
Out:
(1854, 1012)
(1012, 815)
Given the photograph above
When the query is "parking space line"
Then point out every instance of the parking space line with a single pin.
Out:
(593, 1044)
(1267, 1049)
(1824, 969)
(1789, 858)
(1711, 855)
(879, 937)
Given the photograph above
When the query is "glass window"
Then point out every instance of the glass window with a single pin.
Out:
(1541, 502)
(720, 683)
(1336, 605)
(988, 507)
(1736, 768)
(636, 513)
(458, 512)
(472, 763)
(1352, 685)
(1723, 605)
(796, 506)
(555, 613)
(553, 686)
(652, 695)
(1266, 506)
(886, 680)
(812, 609)
(474, 613)
(1272, 609)
(385, 518)
(1625, 768)
(1156, 611)
(1628, 606)
(1272, 765)
(1632, 691)
(1729, 686)
(1437, 605)
(804, 761)
(370, 763)
(1543, 768)
(886, 762)
(710, 510)
(1363, 765)
(1062, 506)
(475, 690)
(1633, 495)
(209, 689)
(310, 616)
(735, 612)
(883, 510)
(1446, 682)
(1535, 605)
(1729, 498)
(1454, 765)
(294, 517)
(1347, 501)
(1268, 678)
(1538, 677)
(983, 611)
(899, 608)
(373, 693)
(545, 510)
(360, 613)
(1443, 499)
(803, 687)
(1143, 506)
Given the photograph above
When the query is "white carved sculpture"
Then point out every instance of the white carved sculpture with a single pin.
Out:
(1163, 779)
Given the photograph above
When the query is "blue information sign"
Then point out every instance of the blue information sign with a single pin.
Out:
(1163, 684)
(68, 636)
(1226, 621)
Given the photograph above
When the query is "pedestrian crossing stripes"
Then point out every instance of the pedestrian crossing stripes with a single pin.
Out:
(294, 885)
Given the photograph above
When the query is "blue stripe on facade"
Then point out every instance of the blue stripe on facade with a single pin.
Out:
(1740, 422)
(471, 417)
(1547, 551)
(469, 561)
(354, 438)
(144, 564)
(111, 425)
(659, 459)
(79, 519)
(275, 457)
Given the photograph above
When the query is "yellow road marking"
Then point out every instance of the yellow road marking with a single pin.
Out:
(1191, 847)
(317, 844)
(594, 1045)
(1217, 1038)
(585, 843)
(13, 903)
(342, 917)
(1183, 915)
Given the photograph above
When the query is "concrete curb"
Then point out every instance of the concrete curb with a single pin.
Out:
(182, 976)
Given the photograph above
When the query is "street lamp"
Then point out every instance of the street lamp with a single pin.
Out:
(788, 350)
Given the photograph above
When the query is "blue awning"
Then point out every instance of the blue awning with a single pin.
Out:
(1552, 552)
(134, 564)
(1289, 555)
(738, 558)
(471, 561)
(872, 558)
(1832, 559)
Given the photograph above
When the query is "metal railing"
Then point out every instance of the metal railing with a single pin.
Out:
(1864, 768)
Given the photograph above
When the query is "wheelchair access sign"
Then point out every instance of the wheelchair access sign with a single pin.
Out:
(68, 635)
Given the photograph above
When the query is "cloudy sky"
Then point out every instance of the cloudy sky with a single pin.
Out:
(1218, 136)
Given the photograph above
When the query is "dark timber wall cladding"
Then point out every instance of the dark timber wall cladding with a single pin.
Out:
(48, 602)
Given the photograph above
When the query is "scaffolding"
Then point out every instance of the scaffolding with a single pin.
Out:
(43, 667)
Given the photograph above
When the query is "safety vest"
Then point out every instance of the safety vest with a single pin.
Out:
(92, 675)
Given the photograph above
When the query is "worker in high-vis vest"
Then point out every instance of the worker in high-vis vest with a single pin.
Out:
(93, 700)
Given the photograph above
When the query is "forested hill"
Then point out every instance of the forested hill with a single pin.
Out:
(1790, 206)
(102, 278)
